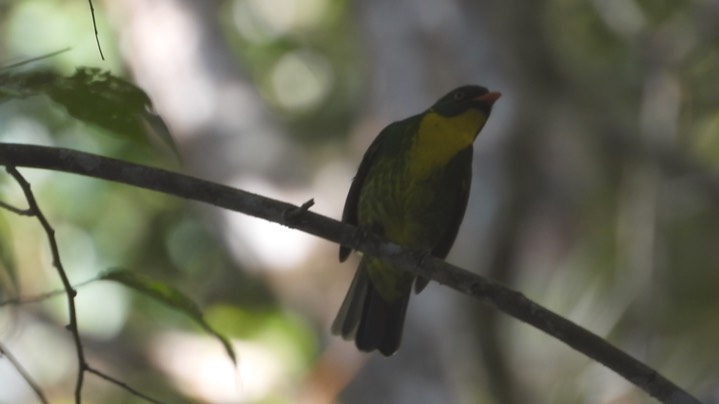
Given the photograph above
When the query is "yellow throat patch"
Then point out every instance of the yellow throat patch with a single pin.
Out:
(440, 138)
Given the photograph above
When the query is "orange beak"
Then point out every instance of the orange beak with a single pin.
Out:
(488, 98)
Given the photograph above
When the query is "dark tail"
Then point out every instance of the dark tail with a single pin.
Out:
(368, 318)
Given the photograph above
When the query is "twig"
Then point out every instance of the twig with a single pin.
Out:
(35, 59)
(16, 301)
(69, 290)
(25, 375)
(495, 294)
(122, 384)
(17, 211)
(296, 212)
(94, 26)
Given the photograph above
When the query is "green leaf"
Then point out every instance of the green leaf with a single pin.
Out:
(17, 84)
(93, 96)
(169, 296)
(98, 97)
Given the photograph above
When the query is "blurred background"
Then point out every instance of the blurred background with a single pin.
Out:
(591, 194)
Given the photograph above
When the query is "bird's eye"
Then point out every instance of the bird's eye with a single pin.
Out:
(458, 96)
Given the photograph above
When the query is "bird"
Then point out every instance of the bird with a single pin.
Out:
(412, 188)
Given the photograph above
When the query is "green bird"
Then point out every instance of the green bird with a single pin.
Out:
(411, 187)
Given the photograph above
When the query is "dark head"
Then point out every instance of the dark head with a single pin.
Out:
(463, 98)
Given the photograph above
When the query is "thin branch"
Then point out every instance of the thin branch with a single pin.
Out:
(94, 26)
(25, 375)
(123, 385)
(35, 59)
(16, 301)
(17, 211)
(57, 263)
(495, 294)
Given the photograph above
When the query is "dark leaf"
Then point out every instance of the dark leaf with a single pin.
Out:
(169, 296)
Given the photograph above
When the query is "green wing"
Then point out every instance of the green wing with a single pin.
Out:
(460, 171)
(382, 144)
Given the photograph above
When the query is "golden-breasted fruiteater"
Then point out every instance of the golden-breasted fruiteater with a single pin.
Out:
(412, 188)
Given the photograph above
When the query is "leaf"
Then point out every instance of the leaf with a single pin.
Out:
(98, 97)
(24, 84)
(169, 296)
(93, 96)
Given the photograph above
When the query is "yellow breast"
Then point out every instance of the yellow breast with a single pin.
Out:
(440, 138)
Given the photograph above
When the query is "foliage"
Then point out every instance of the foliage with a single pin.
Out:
(619, 242)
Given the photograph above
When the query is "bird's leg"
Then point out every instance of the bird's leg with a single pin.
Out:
(418, 256)
(361, 234)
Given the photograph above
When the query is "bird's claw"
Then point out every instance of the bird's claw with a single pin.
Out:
(419, 255)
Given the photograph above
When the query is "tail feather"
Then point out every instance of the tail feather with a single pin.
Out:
(382, 323)
(372, 321)
(348, 318)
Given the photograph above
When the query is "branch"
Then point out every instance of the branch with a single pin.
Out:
(17, 211)
(123, 385)
(94, 27)
(69, 290)
(17, 301)
(497, 295)
(23, 373)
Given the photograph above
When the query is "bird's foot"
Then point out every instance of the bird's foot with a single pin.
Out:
(362, 234)
(419, 255)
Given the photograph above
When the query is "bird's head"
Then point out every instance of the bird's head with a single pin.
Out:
(464, 98)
